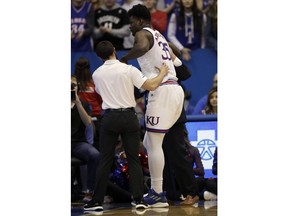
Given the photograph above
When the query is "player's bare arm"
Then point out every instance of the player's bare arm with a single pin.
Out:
(174, 49)
(142, 43)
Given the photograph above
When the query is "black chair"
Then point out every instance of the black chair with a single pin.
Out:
(76, 162)
(76, 189)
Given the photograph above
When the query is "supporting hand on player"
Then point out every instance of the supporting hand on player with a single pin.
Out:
(163, 69)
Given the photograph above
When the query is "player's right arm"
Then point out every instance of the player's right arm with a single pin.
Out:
(176, 61)
(141, 46)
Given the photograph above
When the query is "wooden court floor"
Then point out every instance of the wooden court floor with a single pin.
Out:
(204, 208)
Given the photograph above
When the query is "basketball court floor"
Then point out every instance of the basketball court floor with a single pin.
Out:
(203, 208)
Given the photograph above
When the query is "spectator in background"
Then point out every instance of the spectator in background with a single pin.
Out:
(169, 6)
(201, 104)
(196, 162)
(127, 4)
(88, 94)
(187, 106)
(81, 147)
(158, 17)
(184, 28)
(111, 23)
(96, 4)
(210, 192)
(204, 6)
(80, 32)
(211, 104)
(212, 20)
(166, 5)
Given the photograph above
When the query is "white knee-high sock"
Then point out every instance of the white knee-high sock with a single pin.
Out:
(153, 144)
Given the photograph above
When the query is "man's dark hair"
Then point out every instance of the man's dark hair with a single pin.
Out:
(104, 49)
(140, 11)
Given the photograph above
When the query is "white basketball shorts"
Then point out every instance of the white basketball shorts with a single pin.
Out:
(164, 107)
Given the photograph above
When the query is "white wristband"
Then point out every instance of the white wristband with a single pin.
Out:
(177, 62)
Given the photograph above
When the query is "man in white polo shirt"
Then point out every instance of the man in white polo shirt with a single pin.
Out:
(115, 83)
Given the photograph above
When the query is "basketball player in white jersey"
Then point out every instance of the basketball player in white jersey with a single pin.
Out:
(164, 104)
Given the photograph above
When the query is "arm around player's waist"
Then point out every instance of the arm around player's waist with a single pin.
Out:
(152, 84)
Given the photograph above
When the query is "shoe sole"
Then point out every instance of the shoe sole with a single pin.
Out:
(93, 213)
(141, 206)
(97, 208)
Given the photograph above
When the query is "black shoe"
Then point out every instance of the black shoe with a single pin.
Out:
(93, 206)
(140, 204)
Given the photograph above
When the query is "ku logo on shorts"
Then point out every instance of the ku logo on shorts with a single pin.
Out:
(152, 120)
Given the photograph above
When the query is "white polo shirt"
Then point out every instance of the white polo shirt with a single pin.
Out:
(115, 83)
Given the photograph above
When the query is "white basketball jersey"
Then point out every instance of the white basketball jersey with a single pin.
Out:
(158, 54)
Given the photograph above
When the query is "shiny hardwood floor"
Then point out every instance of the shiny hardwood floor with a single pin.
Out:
(203, 208)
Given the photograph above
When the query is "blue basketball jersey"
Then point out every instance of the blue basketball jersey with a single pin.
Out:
(78, 21)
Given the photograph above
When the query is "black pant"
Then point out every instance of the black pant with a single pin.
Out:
(97, 132)
(113, 124)
(119, 194)
(211, 185)
(176, 163)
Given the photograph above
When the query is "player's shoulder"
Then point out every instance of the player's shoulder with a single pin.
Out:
(145, 32)
(147, 29)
